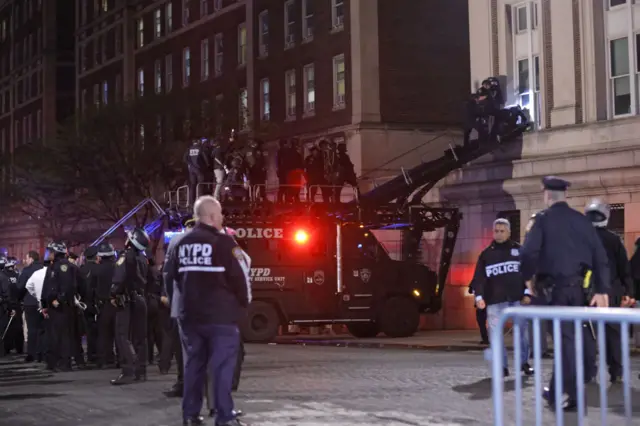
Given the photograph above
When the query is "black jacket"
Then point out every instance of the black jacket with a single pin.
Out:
(27, 298)
(105, 270)
(619, 267)
(61, 282)
(130, 274)
(635, 269)
(7, 302)
(210, 276)
(90, 273)
(497, 277)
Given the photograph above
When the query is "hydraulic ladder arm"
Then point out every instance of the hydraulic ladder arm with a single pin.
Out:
(152, 226)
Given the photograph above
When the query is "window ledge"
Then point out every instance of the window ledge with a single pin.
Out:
(336, 29)
(290, 119)
(339, 107)
(309, 114)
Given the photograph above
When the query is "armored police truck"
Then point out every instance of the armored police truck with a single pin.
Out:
(334, 263)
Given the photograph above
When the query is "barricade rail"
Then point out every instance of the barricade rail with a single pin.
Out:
(257, 193)
(577, 316)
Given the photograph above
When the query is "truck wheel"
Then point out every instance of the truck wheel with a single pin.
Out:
(399, 317)
(261, 324)
(363, 330)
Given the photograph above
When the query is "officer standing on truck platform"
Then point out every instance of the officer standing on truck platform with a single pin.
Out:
(563, 245)
(211, 292)
(621, 282)
(127, 295)
(498, 285)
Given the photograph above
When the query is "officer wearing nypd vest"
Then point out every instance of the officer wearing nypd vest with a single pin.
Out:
(211, 291)
(621, 282)
(498, 285)
(127, 295)
(563, 246)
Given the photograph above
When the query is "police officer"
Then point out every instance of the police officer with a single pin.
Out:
(90, 272)
(14, 338)
(32, 315)
(211, 292)
(60, 286)
(621, 282)
(197, 163)
(7, 305)
(106, 311)
(564, 246)
(154, 326)
(127, 295)
(498, 284)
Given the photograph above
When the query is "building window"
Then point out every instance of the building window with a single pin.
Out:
(140, 32)
(339, 89)
(243, 104)
(522, 21)
(616, 220)
(185, 12)
(265, 105)
(103, 48)
(614, 3)
(204, 9)
(263, 35)
(105, 5)
(219, 54)
(290, 92)
(217, 5)
(105, 92)
(168, 73)
(157, 17)
(141, 136)
(309, 89)
(289, 24)
(140, 82)
(168, 18)
(96, 95)
(186, 66)
(524, 91)
(159, 128)
(307, 20)
(337, 14)
(620, 78)
(39, 124)
(158, 76)
(118, 87)
(242, 45)
(204, 59)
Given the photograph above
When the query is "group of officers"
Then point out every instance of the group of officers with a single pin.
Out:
(567, 259)
(229, 168)
(124, 307)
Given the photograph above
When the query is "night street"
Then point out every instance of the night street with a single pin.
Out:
(289, 385)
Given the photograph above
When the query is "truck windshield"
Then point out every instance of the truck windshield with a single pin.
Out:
(430, 245)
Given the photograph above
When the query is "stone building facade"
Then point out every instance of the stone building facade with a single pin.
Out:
(575, 65)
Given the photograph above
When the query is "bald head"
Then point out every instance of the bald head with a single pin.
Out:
(207, 210)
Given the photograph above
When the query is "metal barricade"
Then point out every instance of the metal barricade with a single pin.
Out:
(182, 200)
(577, 316)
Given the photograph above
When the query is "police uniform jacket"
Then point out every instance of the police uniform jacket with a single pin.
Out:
(105, 271)
(563, 244)
(90, 274)
(196, 157)
(497, 278)
(619, 268)
(130, 273)
(6, 301)
(61, 282)
(27, 298)
(210, 274)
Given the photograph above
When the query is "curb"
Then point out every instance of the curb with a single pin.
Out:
(375, 345)
(406, 346)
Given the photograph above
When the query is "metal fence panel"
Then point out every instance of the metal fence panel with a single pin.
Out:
(579, 317)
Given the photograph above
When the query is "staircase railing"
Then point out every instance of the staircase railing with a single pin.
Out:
(160, 212)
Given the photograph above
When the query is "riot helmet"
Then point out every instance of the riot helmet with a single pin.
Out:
(598, 213)
(57, 247)
(3, 262)
(138, 238)
(106, 250)
(11, 262)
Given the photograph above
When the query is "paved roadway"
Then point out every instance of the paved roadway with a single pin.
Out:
(289, 385)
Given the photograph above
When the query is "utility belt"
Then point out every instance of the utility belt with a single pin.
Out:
(123, 300)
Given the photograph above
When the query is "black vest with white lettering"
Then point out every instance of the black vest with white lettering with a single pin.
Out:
(504, 282)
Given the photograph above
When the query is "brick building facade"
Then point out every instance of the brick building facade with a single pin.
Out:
(37, 90)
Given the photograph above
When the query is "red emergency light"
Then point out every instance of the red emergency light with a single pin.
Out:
(301, 236)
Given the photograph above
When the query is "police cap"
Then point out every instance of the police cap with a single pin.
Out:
(553, 183)
(91, 252)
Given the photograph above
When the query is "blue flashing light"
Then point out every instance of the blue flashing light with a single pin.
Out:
(359, 246)
(397, 225)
